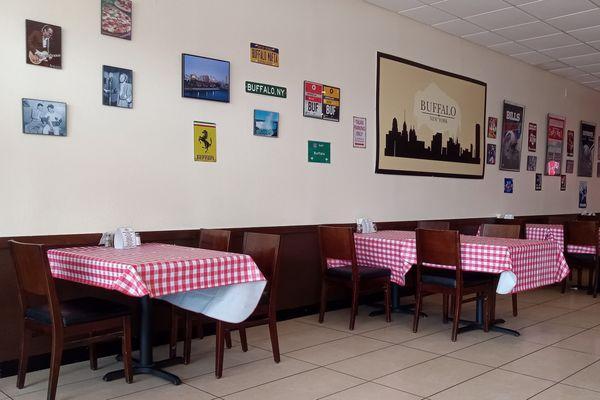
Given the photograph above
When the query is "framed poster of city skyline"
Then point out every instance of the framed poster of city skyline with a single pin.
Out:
(429, 122)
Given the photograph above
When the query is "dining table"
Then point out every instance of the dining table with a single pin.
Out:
(222, 285)
(556, 233)
(534, 263)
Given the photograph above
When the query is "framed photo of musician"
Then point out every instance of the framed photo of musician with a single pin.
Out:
(44, 117)
(117, 87)
(43, 44)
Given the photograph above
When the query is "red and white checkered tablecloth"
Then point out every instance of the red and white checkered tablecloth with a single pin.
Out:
(535, 263)
(555, 232)
(153, 269)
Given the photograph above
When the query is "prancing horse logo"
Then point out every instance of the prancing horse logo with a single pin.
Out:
(206, 143)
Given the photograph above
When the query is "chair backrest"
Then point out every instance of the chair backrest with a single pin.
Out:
(581, 217)
(337, 243)
(441, 247)
(559, 219)
(438, 247)
(34, 278)
(264, 250)
(214, 239)
(581, 233)
(509, 231)
(438, 225)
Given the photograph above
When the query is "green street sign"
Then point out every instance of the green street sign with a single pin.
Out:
(319, 152)
(267, 90)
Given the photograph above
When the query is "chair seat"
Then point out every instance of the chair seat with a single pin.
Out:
(447, 278)
(580, 260)
(80, 311)
(364, 272)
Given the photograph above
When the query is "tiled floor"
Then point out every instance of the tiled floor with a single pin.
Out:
(556, 357)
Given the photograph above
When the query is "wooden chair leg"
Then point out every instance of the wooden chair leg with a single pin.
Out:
(55, 359)
(220, 349)
(354, 310)
(564, 286)
(126, 350)
(187, 341)
(418, 304)
(514, 305)
(173, 334)
(388, 301)
(591, 280)
(23, 357)
(579, 277)
(595, 281)
(456, 321)
(274, 339)
(243, 339)
(93, 357)
(228, 338)
(323, 301)
(445, 299)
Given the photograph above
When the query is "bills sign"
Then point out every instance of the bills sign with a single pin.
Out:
(321, 101)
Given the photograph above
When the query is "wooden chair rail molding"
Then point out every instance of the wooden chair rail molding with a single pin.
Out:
(299, 281)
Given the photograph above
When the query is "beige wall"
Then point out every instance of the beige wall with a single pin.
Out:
(135, 167)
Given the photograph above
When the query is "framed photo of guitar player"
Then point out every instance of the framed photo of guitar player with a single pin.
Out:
(43, 44)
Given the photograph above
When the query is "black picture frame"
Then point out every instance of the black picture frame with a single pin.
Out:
(206, 96)
(25, 99)
(482, 125)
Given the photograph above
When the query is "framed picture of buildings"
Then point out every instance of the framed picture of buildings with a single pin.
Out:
(429, 122)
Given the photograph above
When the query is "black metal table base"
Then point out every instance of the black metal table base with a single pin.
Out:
(146, 365)
(138, 370)
(474, 325)
(396, 307)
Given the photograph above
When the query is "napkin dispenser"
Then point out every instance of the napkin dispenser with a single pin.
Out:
(365, 225)
(125, 238)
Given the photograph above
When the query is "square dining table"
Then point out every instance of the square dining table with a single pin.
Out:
(229, 285)
(535, 263)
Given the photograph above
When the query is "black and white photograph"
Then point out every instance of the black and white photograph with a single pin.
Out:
(117, 87)
(531, 163)
(43, 117)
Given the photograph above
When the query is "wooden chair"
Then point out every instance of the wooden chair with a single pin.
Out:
(338, 243)
(509, 231)
(439, 247)
(78, 322)
(211, 239)
(440, 225)
(264, 250)
(583, 233)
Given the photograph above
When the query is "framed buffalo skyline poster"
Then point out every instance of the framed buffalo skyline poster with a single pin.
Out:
(429, 122)
(511, 140)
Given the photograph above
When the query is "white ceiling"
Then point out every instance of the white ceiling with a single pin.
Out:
(560, 36)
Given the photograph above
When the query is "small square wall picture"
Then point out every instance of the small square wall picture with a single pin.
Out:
(43, 117)
(266, 123)
(569, 166)
(531, 163)
(491, 154)
(538, 182)
(115, 18)
(117, 87)
(43, 44)
(204, 78)
(508, 185)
